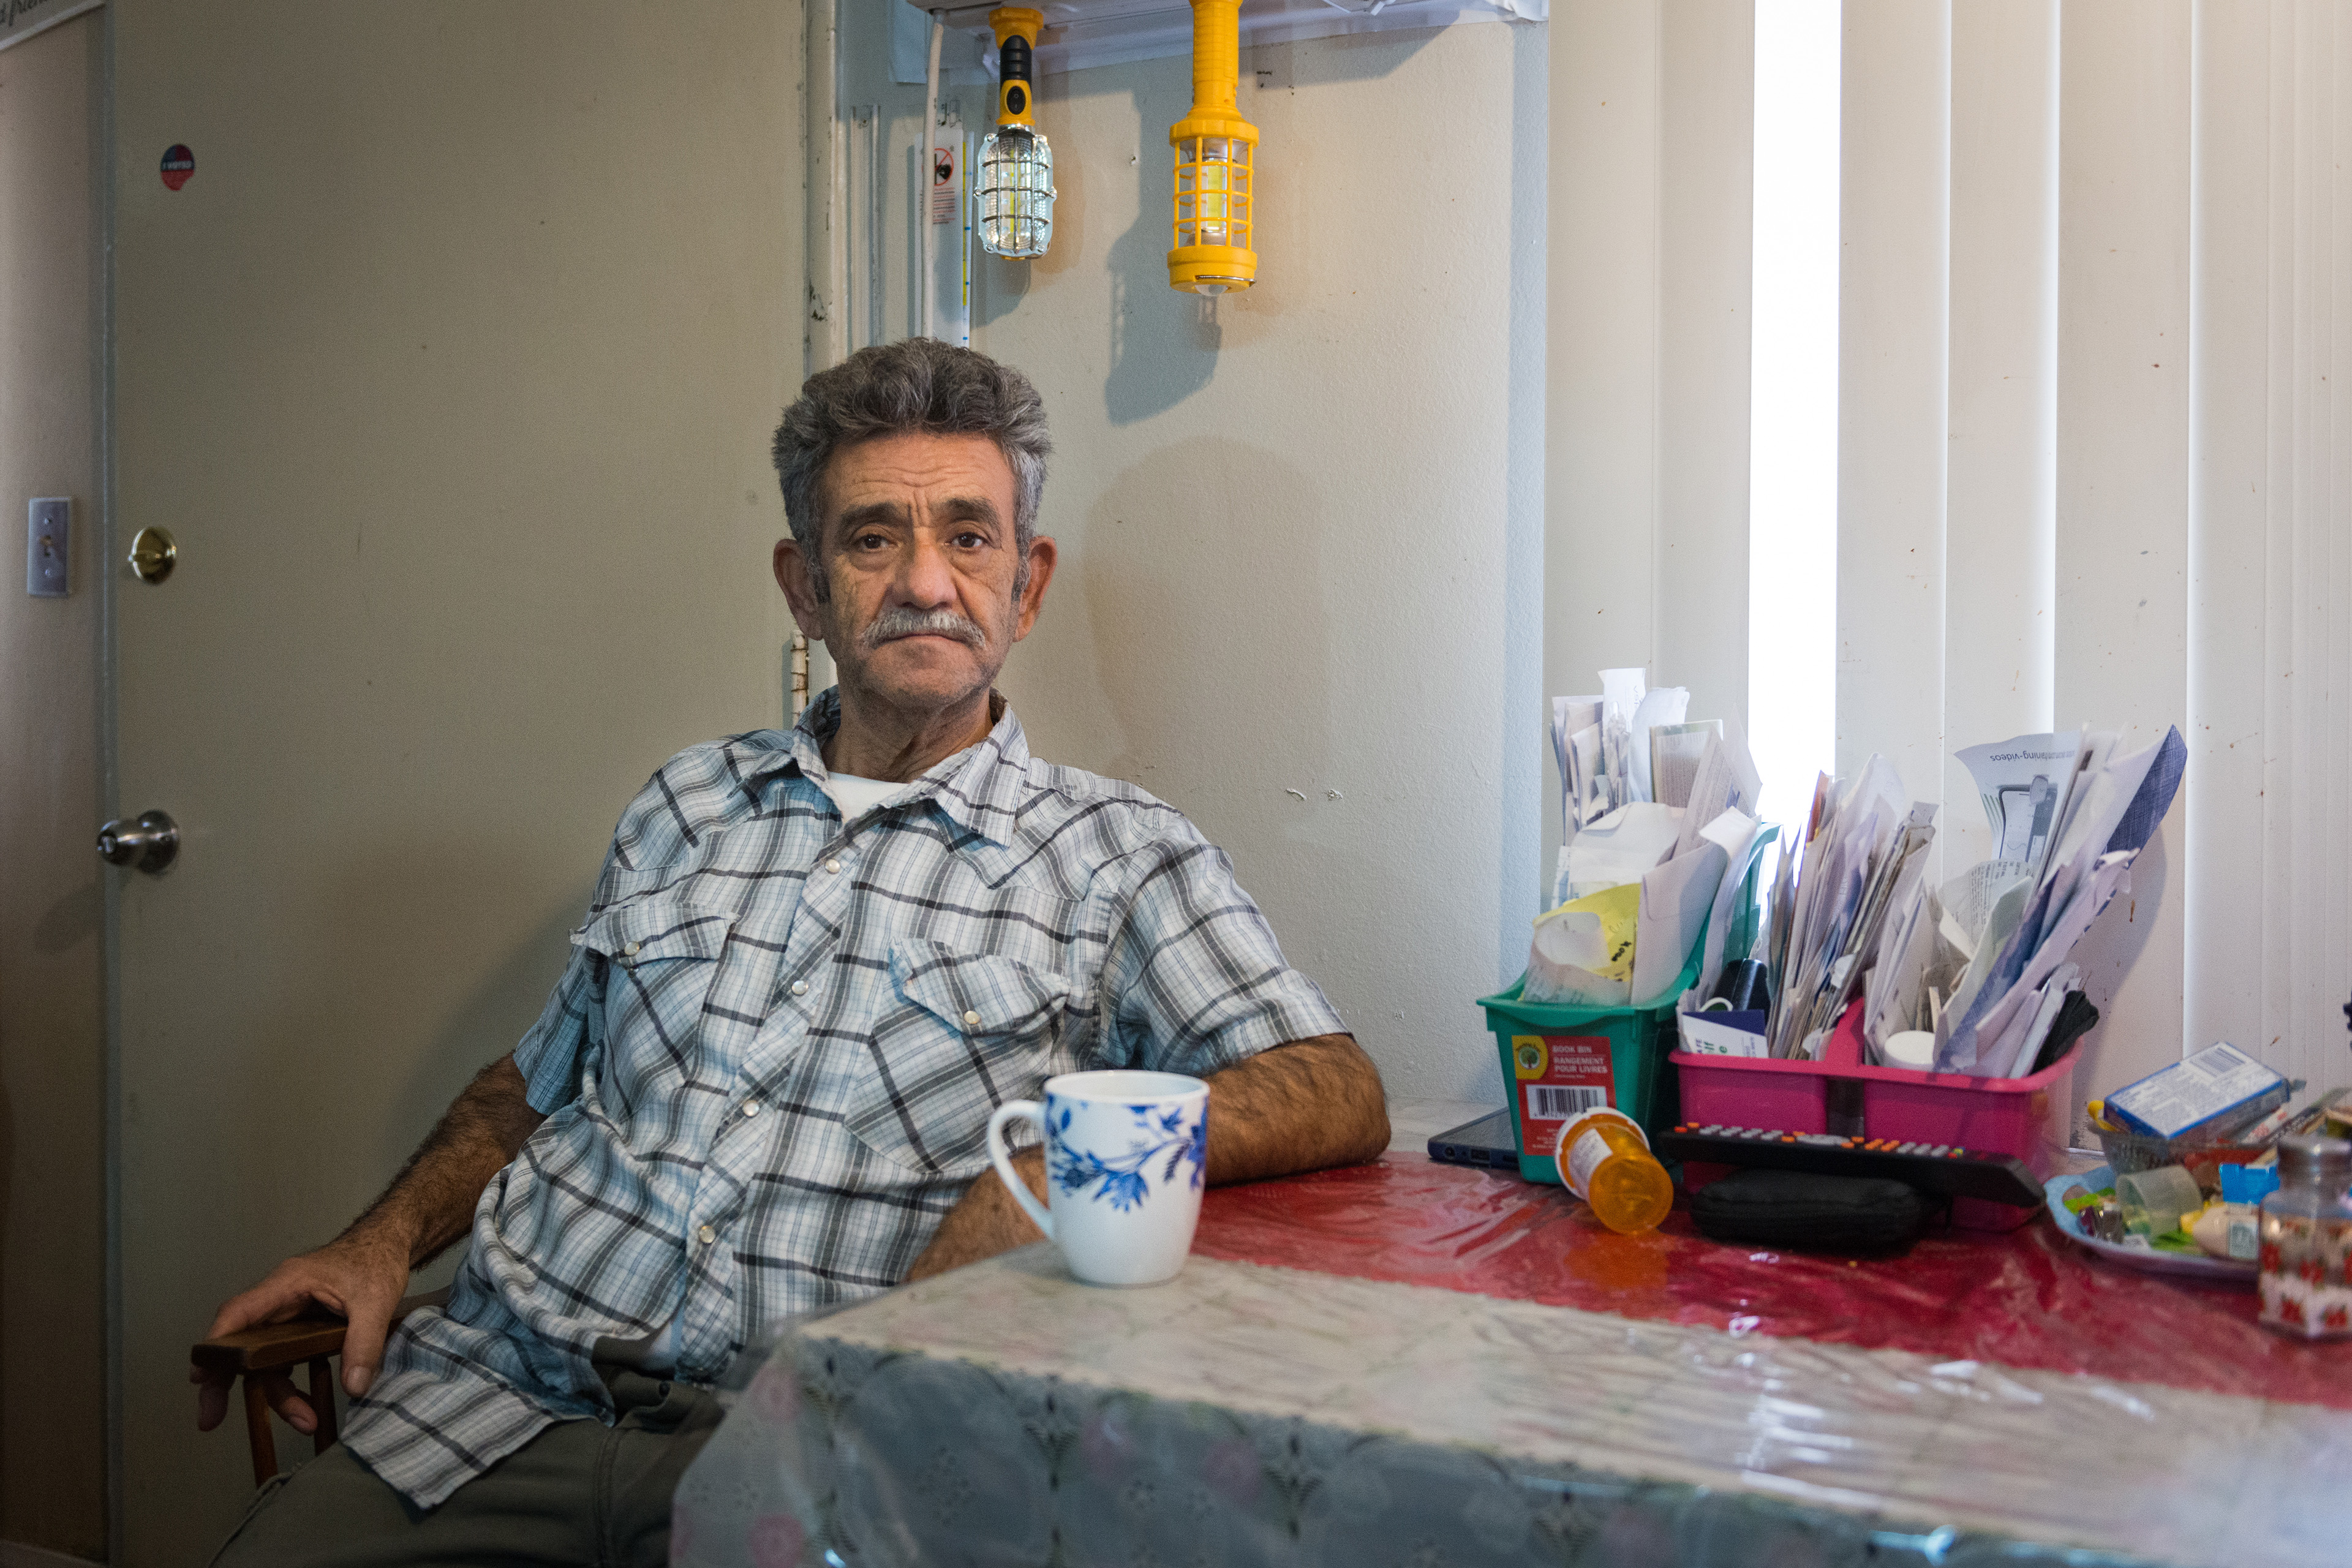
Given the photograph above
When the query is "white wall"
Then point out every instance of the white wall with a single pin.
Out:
(1301, 533)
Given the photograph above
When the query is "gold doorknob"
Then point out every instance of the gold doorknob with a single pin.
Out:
(154, 554)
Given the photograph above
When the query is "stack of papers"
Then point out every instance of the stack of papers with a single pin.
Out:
(1639, 879)
(2108, 809)
(1861, 860)
(1982, 961)
(1660, 832)
(1605, 749)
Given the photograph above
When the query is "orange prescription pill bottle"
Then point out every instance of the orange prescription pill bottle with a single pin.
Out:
(1605, 1159)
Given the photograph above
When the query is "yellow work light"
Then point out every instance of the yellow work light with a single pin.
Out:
(1215, 151)
(1015, 189)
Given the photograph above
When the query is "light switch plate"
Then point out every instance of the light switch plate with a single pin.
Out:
(48, 546)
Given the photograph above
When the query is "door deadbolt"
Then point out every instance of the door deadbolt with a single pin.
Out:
(153, 553)
(151, 843)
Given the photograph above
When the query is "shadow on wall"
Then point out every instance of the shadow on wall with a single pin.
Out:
(1163, 345)
(492, 1019)
(71, 921)
(432, 1057)
(7, 1177)
(487, 1025)
(1202, 571)
(1002, 284)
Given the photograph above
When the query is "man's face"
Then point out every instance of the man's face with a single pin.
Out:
(919, 560)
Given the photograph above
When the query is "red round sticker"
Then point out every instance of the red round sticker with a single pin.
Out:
(178, 164)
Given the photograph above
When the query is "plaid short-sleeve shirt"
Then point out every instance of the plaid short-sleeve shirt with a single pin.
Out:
(768, 1068)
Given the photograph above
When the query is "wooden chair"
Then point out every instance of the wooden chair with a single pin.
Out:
(280, 1347)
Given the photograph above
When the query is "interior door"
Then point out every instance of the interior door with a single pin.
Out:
(450, 366)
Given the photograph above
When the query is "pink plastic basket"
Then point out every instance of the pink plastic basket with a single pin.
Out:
(2022, 1116)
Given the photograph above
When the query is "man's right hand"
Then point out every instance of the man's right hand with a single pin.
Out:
(361, 1273)
(361, 1276)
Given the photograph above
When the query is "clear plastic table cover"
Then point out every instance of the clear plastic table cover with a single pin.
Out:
(1249, 1414)
(2028, 1299)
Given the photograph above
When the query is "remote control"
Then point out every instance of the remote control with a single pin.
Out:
(1945, 1170)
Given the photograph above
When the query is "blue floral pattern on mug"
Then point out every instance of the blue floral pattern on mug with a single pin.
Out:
(1124, 1178)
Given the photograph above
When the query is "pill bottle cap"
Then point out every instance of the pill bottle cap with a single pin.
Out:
(2306, 1160)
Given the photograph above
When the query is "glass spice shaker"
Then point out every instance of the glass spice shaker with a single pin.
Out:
(2306, 1231)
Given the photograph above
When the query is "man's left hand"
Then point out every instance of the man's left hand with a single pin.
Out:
(987, 1221)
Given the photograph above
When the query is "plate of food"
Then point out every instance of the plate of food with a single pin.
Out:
(2193, 1263)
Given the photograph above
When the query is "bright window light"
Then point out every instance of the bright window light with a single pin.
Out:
(1793, 422)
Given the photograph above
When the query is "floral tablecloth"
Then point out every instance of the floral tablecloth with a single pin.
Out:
(1243, 1415)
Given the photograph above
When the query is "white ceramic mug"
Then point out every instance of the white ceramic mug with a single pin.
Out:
(1125, 1156)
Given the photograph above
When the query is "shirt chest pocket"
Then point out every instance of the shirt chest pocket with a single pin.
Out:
(961, 1034)
(661, 955)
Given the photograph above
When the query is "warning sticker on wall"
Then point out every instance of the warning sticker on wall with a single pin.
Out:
(178, 164)
(1558, 1076)
(943, 185)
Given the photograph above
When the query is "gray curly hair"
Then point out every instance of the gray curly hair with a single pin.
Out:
(916, 385)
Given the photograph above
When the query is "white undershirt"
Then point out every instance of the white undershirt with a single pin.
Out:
(856, 795)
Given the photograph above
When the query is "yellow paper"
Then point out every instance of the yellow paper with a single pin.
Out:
(1618, 909)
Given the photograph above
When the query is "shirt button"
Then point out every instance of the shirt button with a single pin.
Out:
(833, 866)
(706, 1236)
(751, 1108)
(800, 987)
(971, 1020)
(630, 951)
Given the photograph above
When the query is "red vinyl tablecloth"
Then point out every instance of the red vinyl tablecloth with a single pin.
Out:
(2028, 1299)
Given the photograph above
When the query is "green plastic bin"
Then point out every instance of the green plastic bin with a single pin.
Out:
(1562, 1060)
(1557, 1061)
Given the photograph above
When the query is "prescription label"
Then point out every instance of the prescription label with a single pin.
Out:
(1558, 1076)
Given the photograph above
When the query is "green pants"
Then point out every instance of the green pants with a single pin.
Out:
(579, 1492)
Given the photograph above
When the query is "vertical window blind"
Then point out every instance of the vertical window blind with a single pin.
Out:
(2095, 289)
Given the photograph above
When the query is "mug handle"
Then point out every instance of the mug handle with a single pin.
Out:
(1016, 1110)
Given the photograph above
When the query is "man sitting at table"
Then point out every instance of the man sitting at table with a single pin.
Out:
(813, 965)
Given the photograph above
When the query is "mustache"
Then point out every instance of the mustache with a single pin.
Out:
(901, 622)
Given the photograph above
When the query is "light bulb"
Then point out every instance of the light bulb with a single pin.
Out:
(1014, 196)
(1213, 216)
(1015, 193)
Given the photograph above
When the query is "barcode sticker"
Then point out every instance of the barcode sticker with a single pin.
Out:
(1564, 1075)
(1551, 1102)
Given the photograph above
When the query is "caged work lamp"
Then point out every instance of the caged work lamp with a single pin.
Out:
(1015, 191)
(1216, 150)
